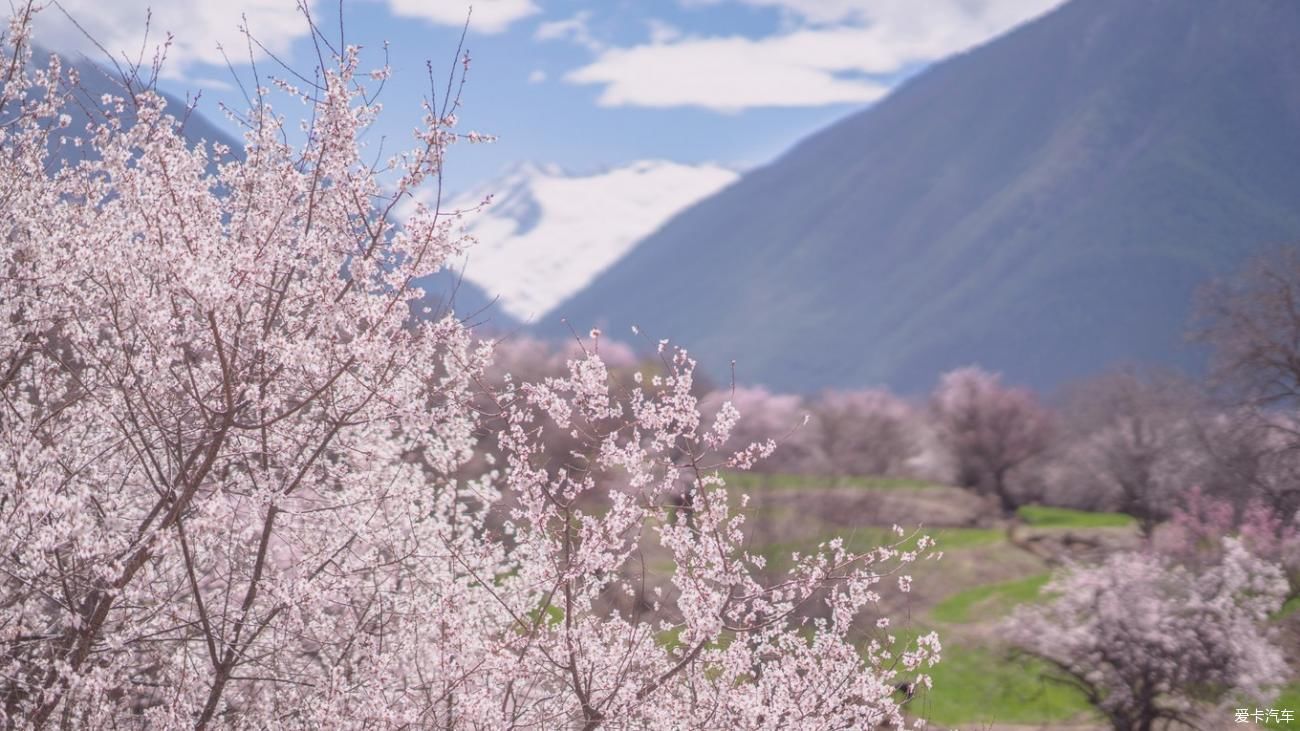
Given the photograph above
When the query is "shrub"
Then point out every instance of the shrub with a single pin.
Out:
(1145, 639)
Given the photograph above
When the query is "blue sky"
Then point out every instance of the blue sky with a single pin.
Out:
(585, 85)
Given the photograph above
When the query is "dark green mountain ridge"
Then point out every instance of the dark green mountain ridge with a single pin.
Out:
(1045, 205)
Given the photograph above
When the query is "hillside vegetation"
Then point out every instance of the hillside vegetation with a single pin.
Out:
(1045, 205)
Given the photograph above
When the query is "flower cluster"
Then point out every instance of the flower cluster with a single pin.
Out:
(1142, 638)
(238, 482)
(1194, 533)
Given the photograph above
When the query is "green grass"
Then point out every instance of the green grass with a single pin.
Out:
(754, 480)
(887, 483)
(1291, 606)
(949, 539)
(1289, 699)
(990, 601)
(976, 686)
(1042, 516)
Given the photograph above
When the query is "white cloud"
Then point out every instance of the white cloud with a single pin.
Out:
(201, 27)
(489, 16)
(662, 32)
(724, 74)
(536, 76)
(894, 12)
(822, 60)
(198, 27)
(213, 84)
(574, 30)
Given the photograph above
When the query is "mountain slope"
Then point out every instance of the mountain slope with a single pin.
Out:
(546, 234)
(1044, 205)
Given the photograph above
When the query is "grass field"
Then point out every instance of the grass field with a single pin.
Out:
(977, 685)
(1042, 516)
(1289, 699)
(754, 480)
(979, 582)
(989, 602)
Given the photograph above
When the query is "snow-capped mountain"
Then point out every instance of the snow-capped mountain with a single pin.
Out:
(545, 235)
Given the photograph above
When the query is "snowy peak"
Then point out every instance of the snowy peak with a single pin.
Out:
(547, 235)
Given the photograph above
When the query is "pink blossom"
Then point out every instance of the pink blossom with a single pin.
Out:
(1143, 638)
(988, 430)
(238, 488)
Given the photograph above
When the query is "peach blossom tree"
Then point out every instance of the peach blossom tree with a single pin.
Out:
(231, 484)
(1194, 533)
(867, 432)
(988, 430)
(1145, 640)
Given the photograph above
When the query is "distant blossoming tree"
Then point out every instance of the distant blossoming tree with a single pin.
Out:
(866, 432)
(1252, 454)
(1194, 533)
(1144, 639)
(1132, 437)
(988, 430)
(231, 485)
(1252, 322)
(779, 417)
